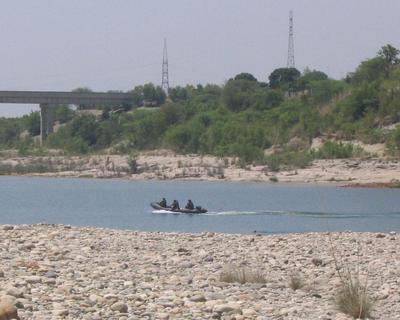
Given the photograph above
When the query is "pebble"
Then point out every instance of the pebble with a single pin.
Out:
(120, 307)
(67, 272)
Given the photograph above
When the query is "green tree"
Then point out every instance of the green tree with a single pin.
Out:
(245, 76)
(237, 94)
(86, 128)
(389, 54)
(310, 76)
(153, 95)
(64, 114)
(284, 78)
(137, 94)
(369, 71)
(33, 123)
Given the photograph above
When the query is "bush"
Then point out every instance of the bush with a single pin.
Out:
(33, 123)
(274, 179)
(289, 159)
(393, 143)
(233, 273)
(352, 297)
(296, 282)
(338, 150)
(132, 163)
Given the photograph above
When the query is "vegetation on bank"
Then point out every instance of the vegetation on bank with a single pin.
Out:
(242, 118)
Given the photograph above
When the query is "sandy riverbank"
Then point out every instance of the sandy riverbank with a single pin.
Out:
(63, 272)
(165, 165)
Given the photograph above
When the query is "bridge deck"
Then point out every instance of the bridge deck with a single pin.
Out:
(58, 97)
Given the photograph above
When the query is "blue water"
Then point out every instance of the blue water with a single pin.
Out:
(233, 207)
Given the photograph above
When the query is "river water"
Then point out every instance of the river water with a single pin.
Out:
(233, 207)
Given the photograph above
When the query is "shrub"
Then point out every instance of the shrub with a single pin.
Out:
(273, 162)
(290, 159)
(273, 179)
(393, 144)
(352, 297)
(233, 273)
(296, 282)
(132, 163)
(338, 150)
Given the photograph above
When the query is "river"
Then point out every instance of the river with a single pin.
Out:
(233, 207)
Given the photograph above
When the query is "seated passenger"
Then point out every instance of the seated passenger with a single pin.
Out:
(189, 205)
(163, 203)
(175, 205)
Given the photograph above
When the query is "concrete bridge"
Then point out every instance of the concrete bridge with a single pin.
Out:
(50, 100)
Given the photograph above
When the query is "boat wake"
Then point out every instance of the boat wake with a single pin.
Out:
(317, 215)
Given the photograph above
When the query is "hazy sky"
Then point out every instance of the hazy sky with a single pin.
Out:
(117, 44)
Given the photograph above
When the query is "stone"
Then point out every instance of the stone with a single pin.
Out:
(121, 307)
(60, 312)
(186, 265)
(162, 316)
(33, 279)
(8, 311)
(51, 274)
(15, 292)
(226, 308)
(317, 262)
(198, 298)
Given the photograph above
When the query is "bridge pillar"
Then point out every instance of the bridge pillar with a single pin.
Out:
(47, 113)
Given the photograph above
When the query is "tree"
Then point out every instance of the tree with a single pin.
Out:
(313, 75)
(237, 94)
(245, 76)
(284, 78)
(178, 94)
(64, 114)
(137, 95)
(369, 71)
(86, 128)
(83, 90)
(389, 55)
(33, 123)
(153, 95)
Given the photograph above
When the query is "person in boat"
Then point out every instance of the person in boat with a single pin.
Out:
(189, 205)
(163, 203)
(175, 205)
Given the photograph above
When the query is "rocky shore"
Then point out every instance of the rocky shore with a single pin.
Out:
(64, 272)
(165, 165)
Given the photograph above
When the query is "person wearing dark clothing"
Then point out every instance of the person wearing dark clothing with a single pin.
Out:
(175, 205)
(163, 203)
(189, 205)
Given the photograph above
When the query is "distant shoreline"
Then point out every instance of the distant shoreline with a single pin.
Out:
(164, 165)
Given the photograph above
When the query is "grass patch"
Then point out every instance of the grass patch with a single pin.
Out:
(352, 297)
(238, 274)
(274, 179)
(338, 150)
(288, 160)
(296, 282)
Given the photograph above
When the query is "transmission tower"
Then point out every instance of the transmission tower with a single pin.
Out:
(290, 57)
(164, 77)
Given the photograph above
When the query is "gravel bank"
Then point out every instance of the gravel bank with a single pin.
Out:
(64, 272)
(169, 166)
